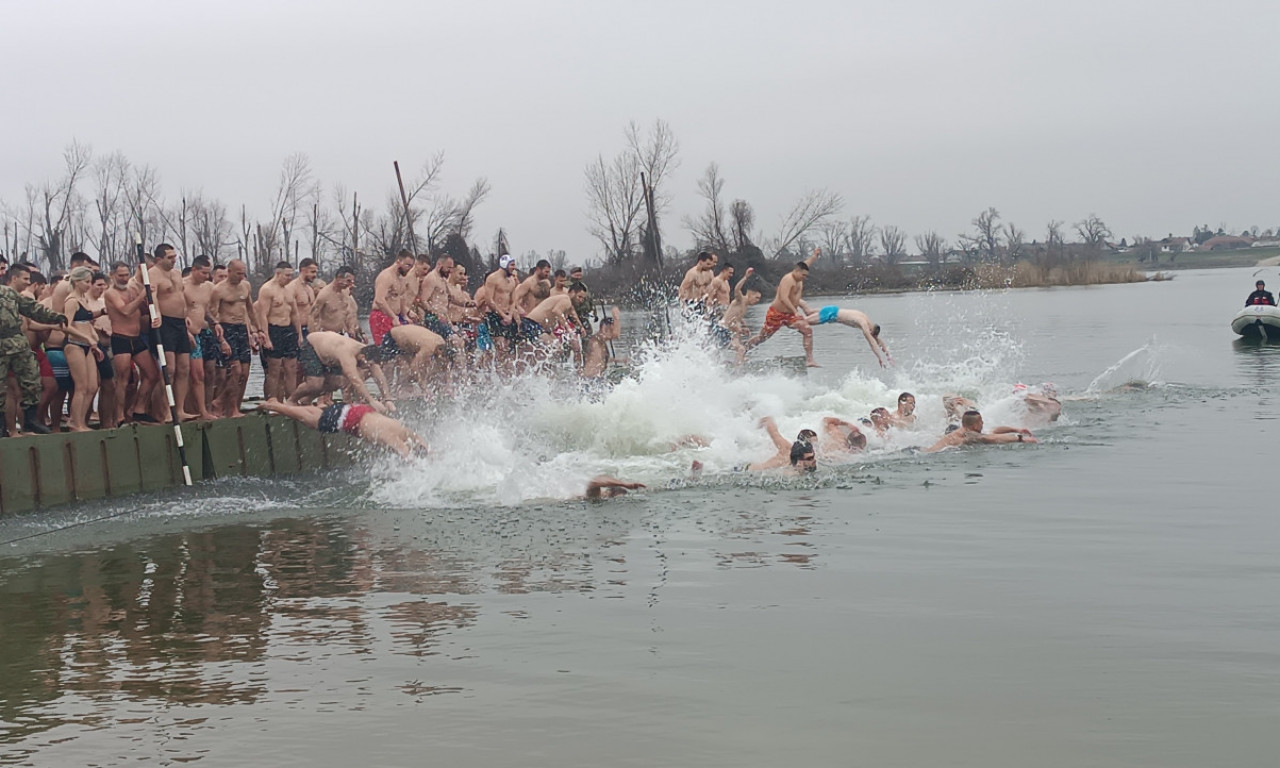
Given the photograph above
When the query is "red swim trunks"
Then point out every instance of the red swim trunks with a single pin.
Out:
(773, 320)
(351, 421)
(46, 370)
(379, 323)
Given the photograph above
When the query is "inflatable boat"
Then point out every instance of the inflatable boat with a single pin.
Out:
(1258, 320)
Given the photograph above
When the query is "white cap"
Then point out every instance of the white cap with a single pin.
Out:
(506, 260)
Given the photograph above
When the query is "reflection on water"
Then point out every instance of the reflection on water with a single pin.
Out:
(116, 636)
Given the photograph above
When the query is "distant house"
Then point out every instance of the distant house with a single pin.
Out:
(1265, 242)
(1175, 244)
(1226, 243)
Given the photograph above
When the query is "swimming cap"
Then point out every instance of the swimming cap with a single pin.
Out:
(506, 260)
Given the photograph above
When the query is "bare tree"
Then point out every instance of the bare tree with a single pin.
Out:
(810, 211)
(1054, 244)
(614, 201)
(984, 243)
(146, 211)
(708, 229)
(1015, 242)
(893, 244)
(932, 247)
(861, 239)
(835, 237)
(743, 220)
(1094, 232)
(210, 227)
(111, 174)
(60, 204)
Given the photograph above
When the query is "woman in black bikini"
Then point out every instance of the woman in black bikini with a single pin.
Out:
(82, 349)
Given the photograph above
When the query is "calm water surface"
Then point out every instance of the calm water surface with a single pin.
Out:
(1106, 598)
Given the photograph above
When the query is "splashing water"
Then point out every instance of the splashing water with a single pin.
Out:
(539, 437)
(1139, 367)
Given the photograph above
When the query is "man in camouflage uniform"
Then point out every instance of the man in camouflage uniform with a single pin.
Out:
(15, 350)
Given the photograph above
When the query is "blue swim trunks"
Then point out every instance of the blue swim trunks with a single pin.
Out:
(827, 314)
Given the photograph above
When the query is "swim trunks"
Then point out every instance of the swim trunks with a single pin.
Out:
(106, 370)
(379, 323)
(207, 347)
(827, 315)
(42, 360)
(352, 418)
(498, 328)
(484, 342)
(530, 330)
(58, 364)
(174, 336)
(284, 342)
(389, 347)
(722, 335)
(331, 418)
(433, 323)
(773, 320)
(237, 337)
(313, 367)
(128, 345)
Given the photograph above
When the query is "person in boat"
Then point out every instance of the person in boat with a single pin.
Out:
(357, 420)
(970, 433)
(854, 319)
(1260, 297)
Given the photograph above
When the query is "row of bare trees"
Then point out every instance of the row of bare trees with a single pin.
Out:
(99, 203)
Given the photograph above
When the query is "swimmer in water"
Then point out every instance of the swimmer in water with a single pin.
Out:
(798, 457)
(842, 436)
(357, 420)
(1044, 405)
(970, 433)
(955, 406)
(906, 413)
(603, 487)
(854, 319)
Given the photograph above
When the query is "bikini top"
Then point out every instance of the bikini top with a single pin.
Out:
(83, 315)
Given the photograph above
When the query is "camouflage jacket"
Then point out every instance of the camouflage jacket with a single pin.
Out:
(13, 307)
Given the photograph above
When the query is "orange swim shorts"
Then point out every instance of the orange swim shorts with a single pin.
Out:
(773, 320)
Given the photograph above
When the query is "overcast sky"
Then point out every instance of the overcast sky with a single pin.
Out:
(1154, 115)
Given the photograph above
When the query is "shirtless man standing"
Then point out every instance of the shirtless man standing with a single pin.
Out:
(970, 433)
(207, 347)
(718, 292)
(232, 308)
(124, 301)
(435, 299)
(328, 358)
(391, 296)
(732, 330)
(304, 290)
(559, 283)
(534, 289)
(504, 318)
(171, 300)
(854, 319)
(693, 288)
(329, 310)
(278, 313)
(787, 306)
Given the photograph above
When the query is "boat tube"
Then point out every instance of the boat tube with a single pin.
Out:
(1258, 321)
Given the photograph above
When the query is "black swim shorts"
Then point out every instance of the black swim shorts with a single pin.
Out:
(313, 367)
(496, 327)
(128, 345)
(331, 418)
(174, 336)
(433, 323)
(284, 342)
(237, 337)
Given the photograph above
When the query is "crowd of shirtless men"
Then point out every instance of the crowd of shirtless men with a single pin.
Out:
(424, 326)
(425, 331)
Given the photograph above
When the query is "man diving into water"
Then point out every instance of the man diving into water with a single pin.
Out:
(854, 319)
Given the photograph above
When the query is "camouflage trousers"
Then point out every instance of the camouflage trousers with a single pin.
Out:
(24, 368)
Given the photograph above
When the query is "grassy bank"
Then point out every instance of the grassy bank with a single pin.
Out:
(1243, 257)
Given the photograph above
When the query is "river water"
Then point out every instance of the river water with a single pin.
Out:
(1105, 598)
